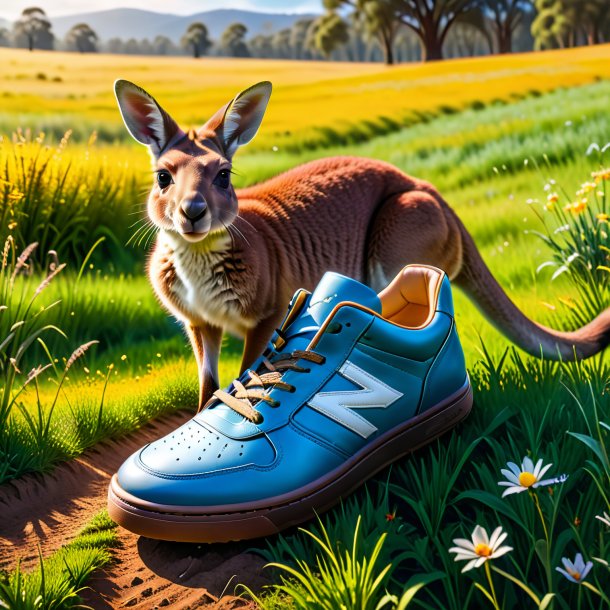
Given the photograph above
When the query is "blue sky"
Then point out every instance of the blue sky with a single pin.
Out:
(55, 8)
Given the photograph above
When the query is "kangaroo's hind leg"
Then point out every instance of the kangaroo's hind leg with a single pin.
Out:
(412, 227)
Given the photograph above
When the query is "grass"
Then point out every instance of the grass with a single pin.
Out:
(59, 579)
(557, 412)
(492, 164)
(132, 328)
(65, 199)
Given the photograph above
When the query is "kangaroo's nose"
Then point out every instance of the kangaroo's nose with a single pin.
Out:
(193, 206)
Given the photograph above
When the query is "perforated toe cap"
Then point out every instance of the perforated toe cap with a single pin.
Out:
(195, 449)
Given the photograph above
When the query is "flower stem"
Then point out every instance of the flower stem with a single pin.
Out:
(537, 503)
(548, 540)
(491, 585)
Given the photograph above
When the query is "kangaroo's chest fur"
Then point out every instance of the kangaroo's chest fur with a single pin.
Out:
(201, 284)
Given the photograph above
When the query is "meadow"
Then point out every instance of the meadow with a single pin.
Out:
(508, 152)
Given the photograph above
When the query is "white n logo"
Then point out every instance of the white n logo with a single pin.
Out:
(339, 405)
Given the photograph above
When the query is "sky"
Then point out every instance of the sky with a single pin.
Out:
(55, 8)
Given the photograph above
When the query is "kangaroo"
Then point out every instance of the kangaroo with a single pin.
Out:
(227, 260)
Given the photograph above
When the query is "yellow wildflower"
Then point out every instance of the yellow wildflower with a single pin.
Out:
(579, 206)
(587, 187)
(601, 217)
(602, 174)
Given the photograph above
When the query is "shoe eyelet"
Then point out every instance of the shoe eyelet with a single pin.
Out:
(334, 328)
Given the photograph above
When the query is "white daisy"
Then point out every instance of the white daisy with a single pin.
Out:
(481, 548)
(605, 519)
(521, 478)
(575, 571)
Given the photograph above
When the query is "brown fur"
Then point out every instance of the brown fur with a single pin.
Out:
(237, 268)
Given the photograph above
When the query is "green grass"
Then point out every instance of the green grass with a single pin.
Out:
(128, 321)
(57, 582)
(65, 198)
(522, 407)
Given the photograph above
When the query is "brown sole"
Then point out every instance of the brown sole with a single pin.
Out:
(254, 520)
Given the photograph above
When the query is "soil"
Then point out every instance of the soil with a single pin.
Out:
(147, 574)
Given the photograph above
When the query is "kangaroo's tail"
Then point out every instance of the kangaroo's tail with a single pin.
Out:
(476, 280)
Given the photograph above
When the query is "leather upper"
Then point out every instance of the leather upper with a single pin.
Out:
(376, 376)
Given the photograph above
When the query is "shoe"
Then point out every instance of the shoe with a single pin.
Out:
(350, 382)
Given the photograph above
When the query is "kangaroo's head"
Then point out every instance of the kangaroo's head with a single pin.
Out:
(192, 195)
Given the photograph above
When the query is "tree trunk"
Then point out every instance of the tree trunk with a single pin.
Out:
(31, 42)
(432, 49)
(505, 40)
(196, 51)
(388, 51)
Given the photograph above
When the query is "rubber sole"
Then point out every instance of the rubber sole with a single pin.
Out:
(254, 520)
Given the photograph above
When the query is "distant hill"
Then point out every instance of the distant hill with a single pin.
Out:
(134, 23)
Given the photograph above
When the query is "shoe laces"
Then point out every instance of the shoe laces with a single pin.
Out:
(256, 388)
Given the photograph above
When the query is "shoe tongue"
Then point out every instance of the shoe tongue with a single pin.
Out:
(335, 288)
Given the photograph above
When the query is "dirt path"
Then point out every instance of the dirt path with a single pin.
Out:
(49, 510)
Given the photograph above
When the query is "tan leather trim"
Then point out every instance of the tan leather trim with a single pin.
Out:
(410, 299)
(432, 307)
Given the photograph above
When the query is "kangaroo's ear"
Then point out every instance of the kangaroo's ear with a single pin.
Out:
(145, 120)
(237, 123)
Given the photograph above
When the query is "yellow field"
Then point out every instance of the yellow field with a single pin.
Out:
(307, 95)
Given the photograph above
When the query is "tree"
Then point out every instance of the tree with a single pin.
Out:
(5, 38)
(82, 38)
(431, 20)
(407, 47)
(281, 44)
(34, 29)
(380, 19)
(505, 16)
(146, 47)
(196, 38)
(132, 47)
(115, 45)
(566, 23)
(468, 39)
(330, 32)
(233, 40)
(162, 45)
(298, 38)
(262, 46)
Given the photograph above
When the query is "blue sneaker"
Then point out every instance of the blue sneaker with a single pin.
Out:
(350, 382)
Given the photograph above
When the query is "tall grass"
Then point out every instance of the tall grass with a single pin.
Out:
(42, 425)
(65, 198)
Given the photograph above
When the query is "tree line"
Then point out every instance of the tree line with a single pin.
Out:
(361, 30)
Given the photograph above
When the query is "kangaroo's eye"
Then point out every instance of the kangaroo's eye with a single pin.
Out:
(223, 178)
(164, 178)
